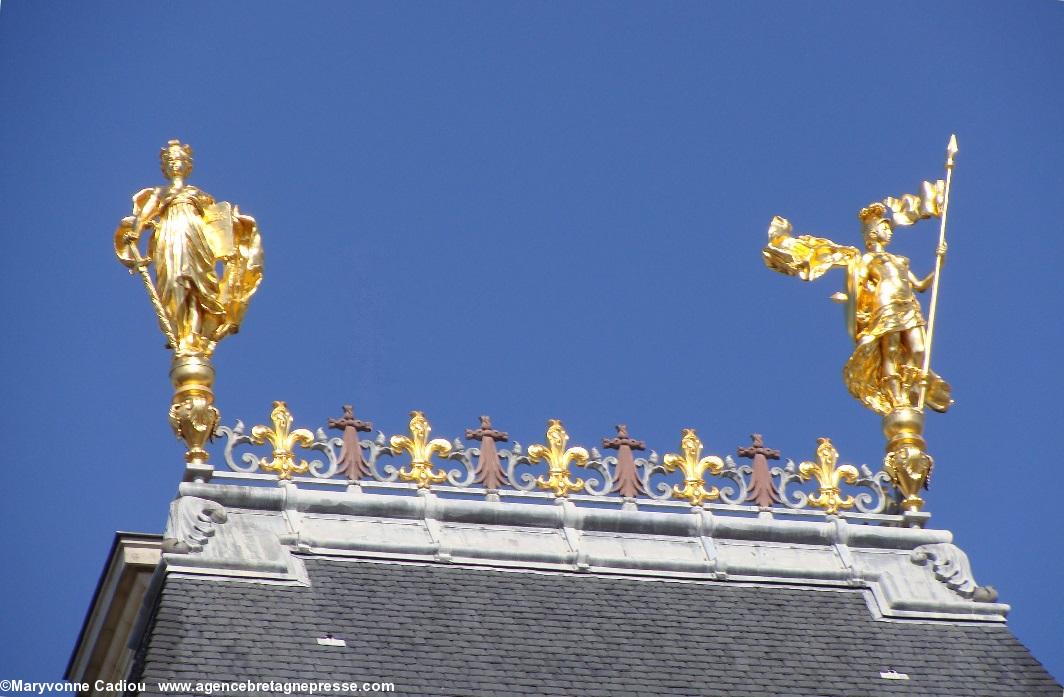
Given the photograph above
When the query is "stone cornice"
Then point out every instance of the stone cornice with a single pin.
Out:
(267, 530)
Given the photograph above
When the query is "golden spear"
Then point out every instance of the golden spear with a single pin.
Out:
(951, 151)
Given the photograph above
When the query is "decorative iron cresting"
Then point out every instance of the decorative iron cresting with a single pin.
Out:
(552, 469)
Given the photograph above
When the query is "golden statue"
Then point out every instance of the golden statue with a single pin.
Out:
(889, 369)
(197, 304)
(191, 234)
(882, 312)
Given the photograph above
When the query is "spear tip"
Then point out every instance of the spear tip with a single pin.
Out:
(952, 147)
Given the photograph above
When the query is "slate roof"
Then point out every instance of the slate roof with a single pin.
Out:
(445, 594)
(439, 630)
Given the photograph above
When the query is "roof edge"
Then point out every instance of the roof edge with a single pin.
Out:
(131, 553)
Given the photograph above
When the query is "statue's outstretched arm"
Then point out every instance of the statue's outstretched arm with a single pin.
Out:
(804, 256)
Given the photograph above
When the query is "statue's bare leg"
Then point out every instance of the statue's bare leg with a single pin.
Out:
(914, 343)
(890, 348)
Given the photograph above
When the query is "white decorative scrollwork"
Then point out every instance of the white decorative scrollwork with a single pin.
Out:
(331, 448)
(662, 491)
(788, 475)
(738, 474)
(877, 499)
(234, 437)
(601, 485)
(374, 449)
(467, 457)
(514, 457)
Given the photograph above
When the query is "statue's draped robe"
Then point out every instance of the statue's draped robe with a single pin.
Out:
(870, 318)
(185, 266)
(191, 235)
(878, 316)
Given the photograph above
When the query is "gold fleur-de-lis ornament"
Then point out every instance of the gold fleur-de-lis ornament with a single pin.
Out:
(829, 477)
(421, 449)
(283, 439)
(559, 478)
(694, 468)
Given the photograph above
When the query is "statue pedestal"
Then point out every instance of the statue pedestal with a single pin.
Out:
(193, 415)
(907, 461)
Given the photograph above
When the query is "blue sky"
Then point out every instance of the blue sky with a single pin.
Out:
(530, 210)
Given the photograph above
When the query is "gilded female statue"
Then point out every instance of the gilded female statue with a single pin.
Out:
(190, 235)
(885, 371)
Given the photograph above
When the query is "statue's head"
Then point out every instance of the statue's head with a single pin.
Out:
(176, 160)
(875, 226)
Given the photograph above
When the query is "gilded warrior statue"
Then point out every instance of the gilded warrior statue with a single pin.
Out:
(889, 370)
(885, 371)
(190, 235)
